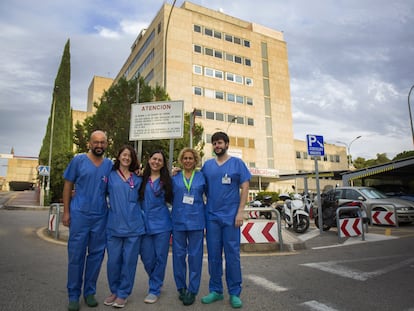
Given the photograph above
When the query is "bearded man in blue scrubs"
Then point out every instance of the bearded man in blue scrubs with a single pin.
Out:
(85, 213)
(227, 180)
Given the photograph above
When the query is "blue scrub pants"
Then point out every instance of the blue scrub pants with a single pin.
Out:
(122, 263)
(188, 243)
(86, 236)
(154, 255)
(223, 236)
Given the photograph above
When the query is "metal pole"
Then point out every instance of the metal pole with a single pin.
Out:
(409, 112)
(349, 150)
(318, 195)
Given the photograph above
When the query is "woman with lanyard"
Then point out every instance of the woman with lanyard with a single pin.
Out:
(188, 217)
(156, 193)
(125, 226)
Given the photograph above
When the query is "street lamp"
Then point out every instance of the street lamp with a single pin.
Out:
(348, 150)
(409, 112)
(230, 123)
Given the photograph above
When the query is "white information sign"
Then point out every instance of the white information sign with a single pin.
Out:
(157, 120)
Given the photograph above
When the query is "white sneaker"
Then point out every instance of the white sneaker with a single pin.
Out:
(151, 298)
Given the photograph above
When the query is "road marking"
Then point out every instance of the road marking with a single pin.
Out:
(271, 286)
(336, 267)
(314, 305)
(369, 237)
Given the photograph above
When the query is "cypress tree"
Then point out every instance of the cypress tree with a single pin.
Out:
(61, 117)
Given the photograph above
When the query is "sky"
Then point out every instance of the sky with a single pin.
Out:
(351, 63)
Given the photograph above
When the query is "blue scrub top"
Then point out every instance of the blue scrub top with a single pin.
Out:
(125, 215)
(223, 199)
(188, 216)
(90, 184)
(157, 216)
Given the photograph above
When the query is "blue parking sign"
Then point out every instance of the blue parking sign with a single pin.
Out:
(315, 145)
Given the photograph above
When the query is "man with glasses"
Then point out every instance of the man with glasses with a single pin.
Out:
(85, 213)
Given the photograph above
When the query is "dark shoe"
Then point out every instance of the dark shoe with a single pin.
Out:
(189, 299)
(73, 306)
(181, 293)
(235, 301)
(212, 297)
(91, 301)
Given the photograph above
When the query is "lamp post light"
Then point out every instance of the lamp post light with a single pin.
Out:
(348, 150)
(409, 112)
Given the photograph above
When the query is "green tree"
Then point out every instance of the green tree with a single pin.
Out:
(404, 155)
(60, 134)
(113, 115)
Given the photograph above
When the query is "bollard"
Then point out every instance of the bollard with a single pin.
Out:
(54, 219)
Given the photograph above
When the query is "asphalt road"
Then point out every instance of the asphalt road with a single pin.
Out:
(325, 276)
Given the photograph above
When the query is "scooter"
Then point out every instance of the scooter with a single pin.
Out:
(266, 202)
(293, 212)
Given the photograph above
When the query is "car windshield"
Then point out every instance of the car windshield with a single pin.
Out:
(372, 193)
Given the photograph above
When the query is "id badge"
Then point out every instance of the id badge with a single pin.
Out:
(188, 199)
(226, 180)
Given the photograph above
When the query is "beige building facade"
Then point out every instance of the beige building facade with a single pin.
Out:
(234, 74)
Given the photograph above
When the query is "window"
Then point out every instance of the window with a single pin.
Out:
(231, 118)
(249, 81)
(197, 28)
(246, 43)
(217, 34)
(209, 93)
(197, 69)
(208, 51)
(228, 38)
(247, 62)
(197, 48)
(208, 32)
(219, 95)
(231, 97)
(298, 154)
(219, 116)
(237, 40)
(238, 79)
(250, 121)
(229, 57)
(159, 28)
(218, 54)
(251, 143)
(198, 91)
(229, 76)
(305, 155)
(238, 59)
(209, 72)
(198, 113)
(210, 115)
(249, 101)
(239, 99)
(240, 120)
(218, 74)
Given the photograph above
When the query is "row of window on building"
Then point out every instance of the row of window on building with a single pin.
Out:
(199, 49)
(222, 117)
(219, 74)
(210, 32)
(220, 95)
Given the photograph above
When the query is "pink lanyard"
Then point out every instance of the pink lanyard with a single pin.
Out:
(129, 180)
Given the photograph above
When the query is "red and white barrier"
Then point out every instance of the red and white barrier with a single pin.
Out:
(383, 218)
(259, 232)
(349, 227)
(254, 214)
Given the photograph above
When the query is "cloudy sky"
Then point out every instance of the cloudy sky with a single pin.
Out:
(351, 63)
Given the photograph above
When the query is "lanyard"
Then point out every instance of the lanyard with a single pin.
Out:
(157, 192)
(129, 180)
(188, 185)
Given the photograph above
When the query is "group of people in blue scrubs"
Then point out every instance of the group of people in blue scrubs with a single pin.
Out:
(108, 205)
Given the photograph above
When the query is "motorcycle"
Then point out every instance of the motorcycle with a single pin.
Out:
(266, 202)
(293, 212)
(329, 207)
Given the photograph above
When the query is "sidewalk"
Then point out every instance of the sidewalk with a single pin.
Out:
(29, 200)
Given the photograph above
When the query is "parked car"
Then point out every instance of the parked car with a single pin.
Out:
(375, 200)
(396, 191)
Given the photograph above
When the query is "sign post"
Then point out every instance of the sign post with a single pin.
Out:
(316, 149)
